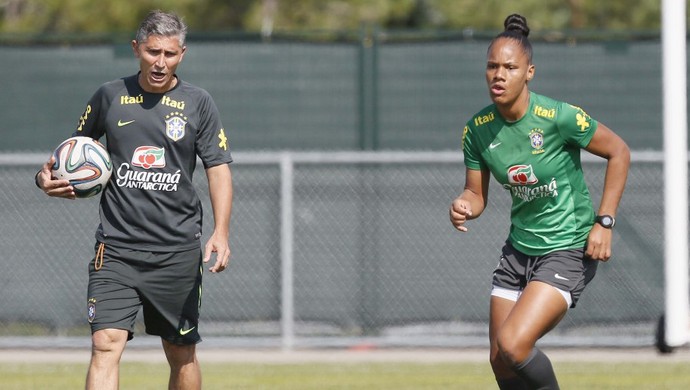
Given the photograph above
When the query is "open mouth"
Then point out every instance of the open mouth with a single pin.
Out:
(158, 76)
(497, 90)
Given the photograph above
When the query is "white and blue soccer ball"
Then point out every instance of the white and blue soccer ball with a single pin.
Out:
(85, 163)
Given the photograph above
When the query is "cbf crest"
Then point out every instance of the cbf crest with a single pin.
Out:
(91, 309)
(175, 125)
(536, 139)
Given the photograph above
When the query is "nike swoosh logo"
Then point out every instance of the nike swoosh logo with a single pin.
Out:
(121, 123)
(494, 145)
(557, 276)
(185, 331)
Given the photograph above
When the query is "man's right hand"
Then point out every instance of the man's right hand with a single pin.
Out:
(53, 187)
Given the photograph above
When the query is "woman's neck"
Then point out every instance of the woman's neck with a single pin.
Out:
(517, 109)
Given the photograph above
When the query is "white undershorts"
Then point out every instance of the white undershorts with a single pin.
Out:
(513, 295)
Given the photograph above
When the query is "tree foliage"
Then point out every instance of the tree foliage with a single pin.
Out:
(87, 16)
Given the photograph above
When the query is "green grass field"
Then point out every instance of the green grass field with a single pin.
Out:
(139, 376)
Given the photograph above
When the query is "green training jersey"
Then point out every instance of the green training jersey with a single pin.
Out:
(537, 159)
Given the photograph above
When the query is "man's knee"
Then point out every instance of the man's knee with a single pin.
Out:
(109, 340)
(179, 355)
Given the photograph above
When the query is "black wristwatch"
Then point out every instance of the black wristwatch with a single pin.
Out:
(606, 221)
(36, 179)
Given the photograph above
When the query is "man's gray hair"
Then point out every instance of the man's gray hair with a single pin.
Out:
(162, 23)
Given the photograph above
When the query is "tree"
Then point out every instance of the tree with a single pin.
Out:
(84, 16)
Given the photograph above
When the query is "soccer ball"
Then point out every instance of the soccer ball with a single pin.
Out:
(85, 163)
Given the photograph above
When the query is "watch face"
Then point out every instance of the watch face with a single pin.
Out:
(606, 221)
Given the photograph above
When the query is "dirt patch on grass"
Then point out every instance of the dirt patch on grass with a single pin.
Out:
(353, 355)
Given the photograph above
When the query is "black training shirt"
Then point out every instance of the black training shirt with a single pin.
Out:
(154, 140)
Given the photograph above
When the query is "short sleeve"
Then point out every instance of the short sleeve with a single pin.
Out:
(213, 143)
(91, 123)
(575, 126)
(472, 157)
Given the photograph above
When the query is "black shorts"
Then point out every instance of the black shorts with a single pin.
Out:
(567, 270)
(167, 285)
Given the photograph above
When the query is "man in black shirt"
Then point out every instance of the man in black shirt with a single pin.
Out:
(148, 250)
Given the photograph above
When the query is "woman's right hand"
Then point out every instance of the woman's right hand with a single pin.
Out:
(460, 211)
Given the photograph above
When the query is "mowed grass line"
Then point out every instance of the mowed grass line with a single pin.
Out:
(575, 375)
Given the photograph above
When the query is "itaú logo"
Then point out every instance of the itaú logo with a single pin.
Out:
(149, 157)
(521, 175)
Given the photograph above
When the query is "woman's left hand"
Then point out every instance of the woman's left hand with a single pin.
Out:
(599, 243)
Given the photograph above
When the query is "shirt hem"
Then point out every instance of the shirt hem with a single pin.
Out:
(150, 247)
(541, 252)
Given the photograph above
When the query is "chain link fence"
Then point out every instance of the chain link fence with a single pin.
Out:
(383, 92)
(371, 256)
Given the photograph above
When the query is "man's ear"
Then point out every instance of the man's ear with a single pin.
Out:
(135, 48)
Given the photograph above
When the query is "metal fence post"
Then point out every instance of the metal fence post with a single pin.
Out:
(368, 89)
(287, 315)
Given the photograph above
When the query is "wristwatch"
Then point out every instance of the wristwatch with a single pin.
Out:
(606, 221)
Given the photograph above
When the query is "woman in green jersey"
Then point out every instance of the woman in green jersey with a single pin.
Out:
(531, 145)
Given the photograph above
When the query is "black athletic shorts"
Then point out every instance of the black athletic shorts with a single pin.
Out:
(567, 270)
(167, 285)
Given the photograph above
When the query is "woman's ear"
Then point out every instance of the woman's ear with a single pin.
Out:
(530, 73)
